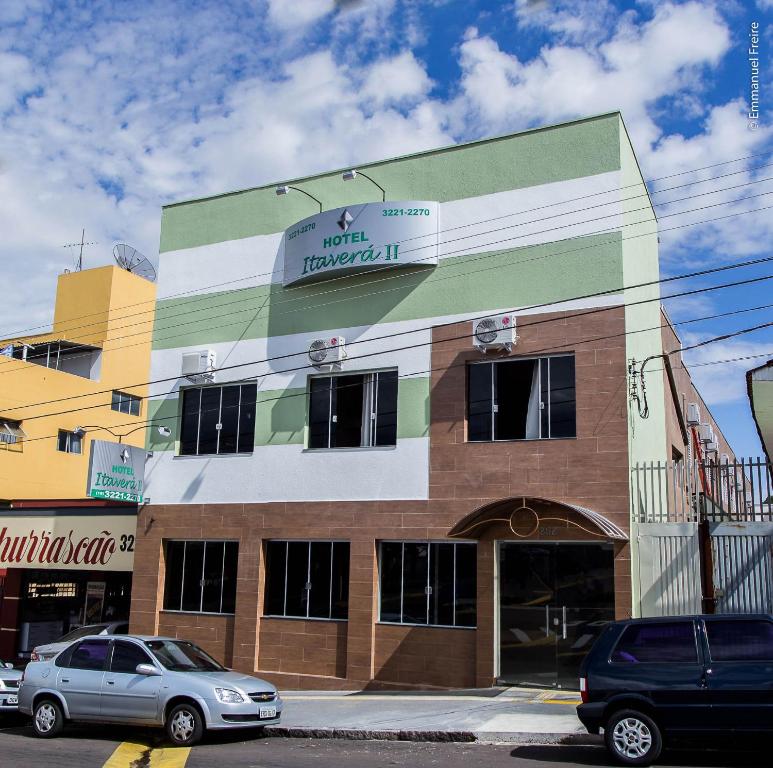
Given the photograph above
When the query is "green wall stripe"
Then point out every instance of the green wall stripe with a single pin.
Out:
(535, 274)
(281, 415)
(569, 151)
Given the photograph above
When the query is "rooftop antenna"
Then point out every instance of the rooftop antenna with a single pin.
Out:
(79, 263)
(133, 261)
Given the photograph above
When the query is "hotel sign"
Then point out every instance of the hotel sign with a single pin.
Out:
(82, 542)
(116, 472)
(361, 238)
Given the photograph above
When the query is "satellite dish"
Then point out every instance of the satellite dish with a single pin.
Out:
(133, 261)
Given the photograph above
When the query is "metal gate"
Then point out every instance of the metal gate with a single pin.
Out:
(669, 569)
(743, 567)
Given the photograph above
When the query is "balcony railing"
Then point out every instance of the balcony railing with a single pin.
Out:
(690, 492)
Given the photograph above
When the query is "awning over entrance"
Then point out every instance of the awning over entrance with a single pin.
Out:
(526, 515)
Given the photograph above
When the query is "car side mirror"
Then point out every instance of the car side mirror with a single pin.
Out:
(147, 669)
(8, 665)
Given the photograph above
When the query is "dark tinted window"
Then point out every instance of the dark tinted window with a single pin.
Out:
(89, 654)
(480, 401)
(428, 583)
(391, 568)
(63, 659)
(386, 408)
(218, 419)
(126, 657)
(307, 579)
(189, 425)
(657, 642)
(521, 399)
(173, 583)
(746, 640)
(563, 408)
(201, 576)
(353, 411)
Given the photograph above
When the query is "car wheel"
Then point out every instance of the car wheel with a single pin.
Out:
(47, 719)
(184, 726)
(633, 737)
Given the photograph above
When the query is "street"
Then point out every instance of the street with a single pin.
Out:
(112, 747)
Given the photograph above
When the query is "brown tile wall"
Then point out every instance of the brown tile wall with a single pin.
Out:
(591, 470)
(299, 647)
(213, 633)
(433, 655)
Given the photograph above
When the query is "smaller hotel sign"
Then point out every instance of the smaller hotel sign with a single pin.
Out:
(116, 472)
(360, 238)
(83, 542)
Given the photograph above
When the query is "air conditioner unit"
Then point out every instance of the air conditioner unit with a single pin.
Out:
(706, 433)
(327, 352)
(199, 366)
(693, 414)
(494, 333)
(712, 447)
(724, 459)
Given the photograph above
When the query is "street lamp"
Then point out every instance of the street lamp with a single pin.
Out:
(162, 429)
(285, 188)
(352, 174)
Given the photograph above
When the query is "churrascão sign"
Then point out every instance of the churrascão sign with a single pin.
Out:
(359, 238)
(64, 541)
(116, 472)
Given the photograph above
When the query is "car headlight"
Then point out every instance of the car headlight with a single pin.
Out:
(227, 696)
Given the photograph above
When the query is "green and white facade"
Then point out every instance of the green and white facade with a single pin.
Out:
(553, 227)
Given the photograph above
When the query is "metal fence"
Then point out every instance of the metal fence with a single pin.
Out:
(691, 492)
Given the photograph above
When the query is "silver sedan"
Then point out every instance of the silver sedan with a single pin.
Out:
(9, 684)
(140, 680)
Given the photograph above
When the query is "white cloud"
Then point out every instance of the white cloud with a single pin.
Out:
(292, 14)
(396, 80)
(721, 383)
(631, 71)
(570, 20)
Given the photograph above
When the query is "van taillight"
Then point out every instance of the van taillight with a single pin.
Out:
(584, 689)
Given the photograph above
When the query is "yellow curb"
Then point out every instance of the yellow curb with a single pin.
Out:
(169, 757)
(125, 754)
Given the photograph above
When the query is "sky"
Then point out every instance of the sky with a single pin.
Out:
(109, 110)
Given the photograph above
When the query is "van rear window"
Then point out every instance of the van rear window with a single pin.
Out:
(666, 642)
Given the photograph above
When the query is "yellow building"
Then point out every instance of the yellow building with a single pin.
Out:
(83, 374)
(66, 559)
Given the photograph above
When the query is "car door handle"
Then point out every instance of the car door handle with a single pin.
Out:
(65, 679)
(110, 682)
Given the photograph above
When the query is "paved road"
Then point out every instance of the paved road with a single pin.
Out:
(109, 747)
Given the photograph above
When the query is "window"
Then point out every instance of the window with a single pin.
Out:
(307, 579)
(353, 411)
(69, 442)
(126, 657)
(124, 403)
(657, 642)
(89, 654)
(428, 583)
(747, 640)
(218, 420)
(521, 399)
(11, 432)
(201, 576)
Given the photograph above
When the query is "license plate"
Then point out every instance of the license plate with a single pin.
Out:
(266, 712)
(15, 700)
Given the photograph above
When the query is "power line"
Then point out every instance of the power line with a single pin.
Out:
(538, 321)
(543, 350)
(306, 307)
(537, 208)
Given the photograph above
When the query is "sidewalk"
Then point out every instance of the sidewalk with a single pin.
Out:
(516, 715)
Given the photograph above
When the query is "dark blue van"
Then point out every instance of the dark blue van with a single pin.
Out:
(645, 680)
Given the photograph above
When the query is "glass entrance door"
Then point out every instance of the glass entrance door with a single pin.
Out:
(554, 599)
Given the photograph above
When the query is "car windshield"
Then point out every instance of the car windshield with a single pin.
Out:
(89, 629)
(181, 656)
